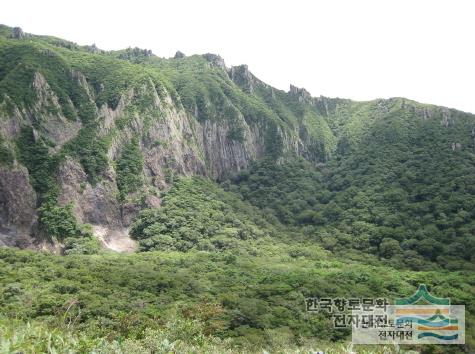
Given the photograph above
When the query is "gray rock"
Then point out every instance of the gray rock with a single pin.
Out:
(456, 146)
(55, 126)
(179, 55)
(215, 59)
(17, 206)
(17, 33)
(243, 77)
(97, 204)
(301, 94)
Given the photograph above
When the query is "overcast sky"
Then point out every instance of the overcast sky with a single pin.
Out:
(359, 49)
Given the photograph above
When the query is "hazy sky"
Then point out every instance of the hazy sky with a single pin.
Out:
(359, 49)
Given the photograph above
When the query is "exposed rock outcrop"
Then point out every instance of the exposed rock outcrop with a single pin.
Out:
(179, 55)
(117, 240)
(456, 146)
(17, 33)
(47, 113)
(243, 77)
(96, 204)
(17, 207)
(172, 140)
(301, 94)
(10, 123)
(215, 60)
(446, 118)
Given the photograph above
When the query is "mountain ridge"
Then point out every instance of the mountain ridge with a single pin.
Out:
(74, 110)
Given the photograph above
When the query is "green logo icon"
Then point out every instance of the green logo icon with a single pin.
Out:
(429, 314)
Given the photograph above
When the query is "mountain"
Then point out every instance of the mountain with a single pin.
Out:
(205, 171)
(77, 109)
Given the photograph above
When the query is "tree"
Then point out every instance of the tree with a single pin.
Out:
(389, 247)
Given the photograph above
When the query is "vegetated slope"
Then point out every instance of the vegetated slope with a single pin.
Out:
(224, 269)
(402, 188)
(321, 197)
(101, 134)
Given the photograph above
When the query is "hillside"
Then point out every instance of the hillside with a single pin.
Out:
(236, 201)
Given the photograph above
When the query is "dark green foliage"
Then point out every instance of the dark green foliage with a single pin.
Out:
(16, 75)
(401, 190)
(135, 55)
(273, 141)
(6, 155)
(256, 293)
(34, 154)
(196, 214)
(55, 221)
(87, 244)
(129, 169)
(236, 132)
(91, 151)
(290, 191)
(58, 222)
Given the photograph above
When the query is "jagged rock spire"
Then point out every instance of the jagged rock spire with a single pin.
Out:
(179, 55)
(215, 59)
(17, 33)
(302, 94)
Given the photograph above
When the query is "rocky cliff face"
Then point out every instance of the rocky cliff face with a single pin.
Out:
(17, 207)
(172, 140)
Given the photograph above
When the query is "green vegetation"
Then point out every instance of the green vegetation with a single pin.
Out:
(178, 335)
(135, 55)
(207, 92)
(86, 244)
(91, 152)
(130, 169)
(34, 154)
(197, 214)
(58, 222)
(398, 188)
(6, 155)
(381, 199)
(250, 297)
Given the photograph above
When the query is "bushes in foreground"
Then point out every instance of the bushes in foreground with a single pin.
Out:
(176, 336)
(251, 299)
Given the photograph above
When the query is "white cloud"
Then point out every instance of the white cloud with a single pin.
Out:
(361, 49)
